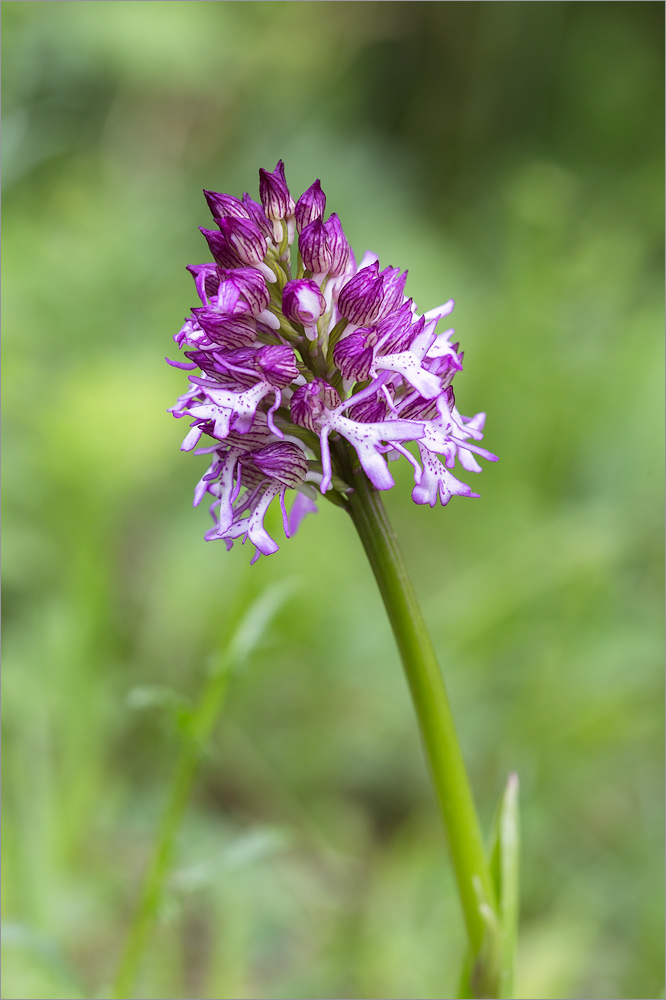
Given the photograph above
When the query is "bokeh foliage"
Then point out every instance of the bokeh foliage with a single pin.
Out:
(509, 154)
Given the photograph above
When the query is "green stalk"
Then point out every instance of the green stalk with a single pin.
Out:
(475, 886)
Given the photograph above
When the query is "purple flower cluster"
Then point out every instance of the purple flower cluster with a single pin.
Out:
(312, 371)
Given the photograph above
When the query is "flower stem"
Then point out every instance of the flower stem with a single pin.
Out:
(433, 712)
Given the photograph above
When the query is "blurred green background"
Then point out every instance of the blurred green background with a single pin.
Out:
(508, 154)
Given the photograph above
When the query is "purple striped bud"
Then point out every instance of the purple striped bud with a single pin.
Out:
(256, 213)
(354, 355)
(274, 193)
(277, 364)
(302, 301)
(245, 237)
(224, 204)
(309, 402)
(221, 249)
(310, 206)
(362, 298)
(315, 251)
(250, 285)
(279, 460)
(338, 245)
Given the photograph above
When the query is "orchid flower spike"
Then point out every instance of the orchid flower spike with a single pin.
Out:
(307, 373)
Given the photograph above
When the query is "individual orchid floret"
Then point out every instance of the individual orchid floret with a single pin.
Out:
(311, 401)
(303, 302)
(314, 248)
(278, 203)
(245, 237)
(242, 289)
(370, 296)
(307, 373)
(317, 406)
(310, 206)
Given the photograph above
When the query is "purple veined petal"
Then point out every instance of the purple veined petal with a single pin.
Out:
(397, 331)
(280, 460)
(310, 206)
(314, 248)
(246, 239)
(225, 329)
(370, 410)
(277, 364)
(229, 300)
(437, 482)
(301, 506)
(361, 299)
(353, 355)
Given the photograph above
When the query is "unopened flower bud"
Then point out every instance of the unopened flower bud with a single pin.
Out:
(278, 203)
(315, 251)
(310, 206)
(245, 237)
(302, 301)
(362, 298)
